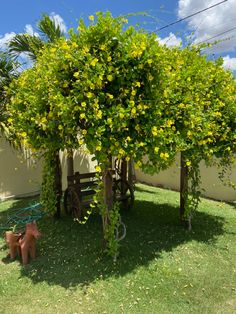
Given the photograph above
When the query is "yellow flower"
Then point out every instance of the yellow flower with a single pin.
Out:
(109, 58)
(138, 84)
(60, 127)
(91, 18)
(133, 111)
(121, 151)
(143, 45)
(121, 115)
(83, 104)
(156, 150)
(94, 62)
(150, 77)
(74, 45)
(84, 132)
(82, 115)
(154, 131)
(109, 77)
(98, 148)
(98, 168)
(164, 156)
(85, 49)
(127, 158)
(188, 163)
(110, 96)
(133, 93)
(81, 142)
(99, 114)
(89, 95)
(169, 123)
(109, 121)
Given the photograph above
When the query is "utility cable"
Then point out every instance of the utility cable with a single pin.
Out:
(227, 31)
(187, 17)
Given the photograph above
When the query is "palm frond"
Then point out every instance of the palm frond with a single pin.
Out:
(8, 68)
(48, 29)
(8, 71)
(25, 43)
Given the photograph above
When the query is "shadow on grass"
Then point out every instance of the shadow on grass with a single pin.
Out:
(69, 254)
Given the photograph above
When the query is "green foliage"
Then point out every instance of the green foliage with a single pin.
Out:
(201, 102)
(48, 196)
(115, 89)
(110, 231)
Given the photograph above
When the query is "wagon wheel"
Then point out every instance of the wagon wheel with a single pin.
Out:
(123, 193)
(72, 203)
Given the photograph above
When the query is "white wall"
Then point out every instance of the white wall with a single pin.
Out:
(21, 177)
(17, 175)
(213, 187)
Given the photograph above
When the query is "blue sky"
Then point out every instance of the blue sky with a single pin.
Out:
(19, 16)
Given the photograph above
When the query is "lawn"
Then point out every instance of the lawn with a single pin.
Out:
(162, 268)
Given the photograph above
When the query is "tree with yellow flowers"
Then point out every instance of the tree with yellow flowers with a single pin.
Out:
(120, 93)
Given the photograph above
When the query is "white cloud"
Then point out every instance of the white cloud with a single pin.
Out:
(29, 30)
(170, 40)
(229, 63)
(59, 21)
(212, 22)
(4, 40)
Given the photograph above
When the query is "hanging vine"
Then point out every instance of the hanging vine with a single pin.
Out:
(48, 196)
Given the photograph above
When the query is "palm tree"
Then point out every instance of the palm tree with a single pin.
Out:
(31, 45)
(8, 71)
(49, 32)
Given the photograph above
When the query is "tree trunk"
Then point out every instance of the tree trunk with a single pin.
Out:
(183, 189)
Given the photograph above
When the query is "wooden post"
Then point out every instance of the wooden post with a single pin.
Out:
(131, 175)
(183, 188)
(70, 163)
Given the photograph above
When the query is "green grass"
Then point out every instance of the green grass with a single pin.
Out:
(161, 269)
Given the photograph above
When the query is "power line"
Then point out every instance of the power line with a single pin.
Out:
(187, 17)
(227, 31)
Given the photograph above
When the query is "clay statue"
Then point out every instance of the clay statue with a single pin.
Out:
(24, 244)
(12, 239)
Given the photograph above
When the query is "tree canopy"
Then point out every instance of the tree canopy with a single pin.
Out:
(117, 90)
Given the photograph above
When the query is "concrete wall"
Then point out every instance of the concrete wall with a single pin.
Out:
(213, 187)
(21, 177)
(17, 175)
